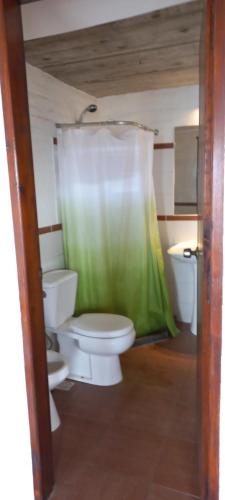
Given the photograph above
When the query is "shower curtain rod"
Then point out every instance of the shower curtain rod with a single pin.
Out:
(110, 122)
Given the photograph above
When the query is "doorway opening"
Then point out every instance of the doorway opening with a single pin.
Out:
(211, 239)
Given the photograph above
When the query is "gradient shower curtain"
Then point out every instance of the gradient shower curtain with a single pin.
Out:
(110, 226)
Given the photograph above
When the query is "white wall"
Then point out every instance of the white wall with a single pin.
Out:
(50, 17)
(164, 110)
(15, 451)
(50, 102)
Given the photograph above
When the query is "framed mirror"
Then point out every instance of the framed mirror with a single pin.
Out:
(186, 161)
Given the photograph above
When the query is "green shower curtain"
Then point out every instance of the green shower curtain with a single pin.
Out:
(110, 226)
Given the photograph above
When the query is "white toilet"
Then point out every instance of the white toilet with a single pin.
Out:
(57, 372)
(91, 343)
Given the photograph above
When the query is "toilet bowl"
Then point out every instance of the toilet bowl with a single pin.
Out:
(90, 343)
(57, 372)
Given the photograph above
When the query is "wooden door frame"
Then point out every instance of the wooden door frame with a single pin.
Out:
(21, 178)
(212, 130)
(16, 114)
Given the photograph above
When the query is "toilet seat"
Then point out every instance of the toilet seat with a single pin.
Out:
(101, 326)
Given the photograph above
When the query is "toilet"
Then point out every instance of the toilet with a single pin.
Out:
(91, 343)
(57, 372)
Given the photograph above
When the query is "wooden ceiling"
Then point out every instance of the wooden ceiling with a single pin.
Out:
(150, 51)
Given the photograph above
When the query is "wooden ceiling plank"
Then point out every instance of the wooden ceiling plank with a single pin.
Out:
(168, 58)
(149, 51)
(125, 36)
(141, 83)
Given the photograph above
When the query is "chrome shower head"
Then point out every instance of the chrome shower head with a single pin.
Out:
(91, 108)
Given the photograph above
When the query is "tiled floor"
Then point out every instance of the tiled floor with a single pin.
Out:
(136, 440)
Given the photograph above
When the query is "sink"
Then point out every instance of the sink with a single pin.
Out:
(176, 252)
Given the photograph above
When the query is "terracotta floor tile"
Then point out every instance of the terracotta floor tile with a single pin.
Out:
(149, 409)
(77, 441)
(184, 344)
(93, 484)
(161, 493)
(151, 366)
(188, 395)
(113, 442)
(184, 422)
(178, 466)
(96, 403)
(128, 451)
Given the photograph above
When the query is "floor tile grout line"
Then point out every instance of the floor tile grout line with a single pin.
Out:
(195, 497)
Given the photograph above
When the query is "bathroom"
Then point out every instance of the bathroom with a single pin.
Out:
(168, 108)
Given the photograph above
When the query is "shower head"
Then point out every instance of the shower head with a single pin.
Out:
(91, 108)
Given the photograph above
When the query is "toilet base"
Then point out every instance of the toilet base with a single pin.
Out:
(57, 372)
(102, 370)
(55, 420)
(105, 371)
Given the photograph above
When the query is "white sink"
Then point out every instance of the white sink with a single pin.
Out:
(176, 252)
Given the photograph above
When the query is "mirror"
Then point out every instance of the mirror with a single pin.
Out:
(186, 160)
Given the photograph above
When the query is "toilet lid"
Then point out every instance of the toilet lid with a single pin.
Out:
(101, 325)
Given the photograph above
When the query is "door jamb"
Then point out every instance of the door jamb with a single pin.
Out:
(21, 178)
(212, 123)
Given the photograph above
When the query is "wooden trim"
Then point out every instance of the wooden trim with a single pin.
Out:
(164, 145)
(181, 217)
(12, 75)
(157, 145)
(211, 175)
(58, 227)
(185, 204)
(21, 177)
(50, 229)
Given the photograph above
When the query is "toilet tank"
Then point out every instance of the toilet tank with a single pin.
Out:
(60, 287)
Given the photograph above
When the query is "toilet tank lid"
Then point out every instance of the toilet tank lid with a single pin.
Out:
(52, 279)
